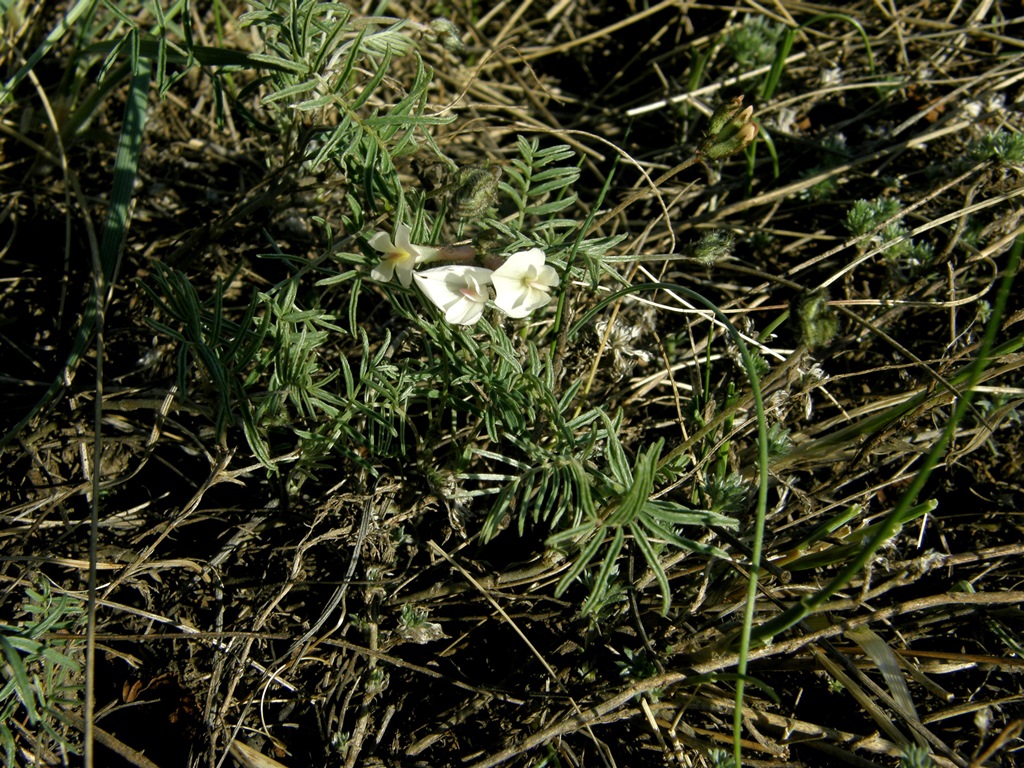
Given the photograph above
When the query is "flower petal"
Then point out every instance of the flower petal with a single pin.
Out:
(404, 268)
(523, 283)
(383, 271)
(457, 290)
(547, 276)
(381, 241)
(402, 235)
(523, 303)
(465, 312)
(518, 264)
(511, 303)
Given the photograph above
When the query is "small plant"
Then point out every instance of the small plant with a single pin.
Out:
(816, 321)
(713, 247)
(638, 665)
(415, 626)
(916, 757)
(779, 441)
(1005, 146)
(728, 494)
(719, 758)
(754, 42)
(880, 218)
(868, 215)
(39, 675)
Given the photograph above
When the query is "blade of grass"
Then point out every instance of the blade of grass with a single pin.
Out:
(105, 267)
(56, 34)
(114, 230)
(771, 80)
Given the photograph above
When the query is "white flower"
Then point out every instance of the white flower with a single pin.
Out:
(400, 256)
(458, 290)
(524, 283)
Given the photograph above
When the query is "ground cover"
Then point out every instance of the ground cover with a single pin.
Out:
(428, 384)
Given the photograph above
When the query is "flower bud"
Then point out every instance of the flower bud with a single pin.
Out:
(444, 32)
(729, 131)
(736, 122)
(739, 141)
(722, 115)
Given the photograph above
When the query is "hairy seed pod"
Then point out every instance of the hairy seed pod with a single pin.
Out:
(444, 32)
(816, 321)
(476, 191)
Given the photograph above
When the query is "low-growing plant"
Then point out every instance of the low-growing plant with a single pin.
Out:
(471, 378)
(451, 315)
(880, 218)
(40, 674)
(753, 42)
(916, 757)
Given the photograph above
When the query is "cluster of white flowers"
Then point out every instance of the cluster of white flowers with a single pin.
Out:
(521, 285)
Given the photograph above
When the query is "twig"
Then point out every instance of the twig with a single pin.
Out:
(111, 742)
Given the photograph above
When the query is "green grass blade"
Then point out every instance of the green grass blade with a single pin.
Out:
(126, 167)
(771, 80)
(114, 229)
(56, 34)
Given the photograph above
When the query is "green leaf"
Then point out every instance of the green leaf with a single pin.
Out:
(579, 566)
(645, 547)
(19, 675)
